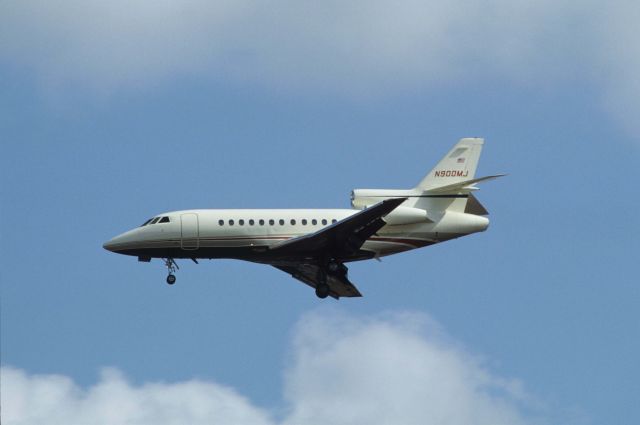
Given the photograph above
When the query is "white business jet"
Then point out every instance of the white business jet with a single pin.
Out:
(313, 245)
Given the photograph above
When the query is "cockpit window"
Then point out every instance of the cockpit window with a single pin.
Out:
(164, 220)
(146, 222)
(155, 220)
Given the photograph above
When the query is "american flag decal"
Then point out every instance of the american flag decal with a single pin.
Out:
(460, 160)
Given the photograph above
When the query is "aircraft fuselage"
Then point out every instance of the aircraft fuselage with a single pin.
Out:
(247, 234)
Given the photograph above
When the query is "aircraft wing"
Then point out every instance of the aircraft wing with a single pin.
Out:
(308, 273)
(342, 238)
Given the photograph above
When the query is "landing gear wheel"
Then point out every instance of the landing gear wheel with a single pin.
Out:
(171, 268)
(322, 290)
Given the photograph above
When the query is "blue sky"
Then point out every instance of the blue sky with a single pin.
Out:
(107, 118)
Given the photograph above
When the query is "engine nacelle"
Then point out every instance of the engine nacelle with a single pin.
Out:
(362, 198)
(406, 215)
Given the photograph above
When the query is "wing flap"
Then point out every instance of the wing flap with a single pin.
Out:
(339, 285)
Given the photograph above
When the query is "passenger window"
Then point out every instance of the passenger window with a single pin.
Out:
(271, 222)
(334, 221)
(164, 220)
(221, 222)
(241, 222)
(314, 221)
(324, 222)
(155, 220)
(281, 222)
(261, 222)
(293, 222)
(304, 221)
(230, 222)
(251, 222)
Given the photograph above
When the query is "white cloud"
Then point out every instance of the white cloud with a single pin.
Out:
(618, 63)
(346, 47)
(397, 369)
(114, 44)
(54, 399)
(368, 48)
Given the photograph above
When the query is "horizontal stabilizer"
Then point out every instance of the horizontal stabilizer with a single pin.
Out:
(463, 186)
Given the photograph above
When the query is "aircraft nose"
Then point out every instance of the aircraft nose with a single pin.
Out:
(118, 243)
(110, 245)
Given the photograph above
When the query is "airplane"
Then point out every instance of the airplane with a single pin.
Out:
(313, 245)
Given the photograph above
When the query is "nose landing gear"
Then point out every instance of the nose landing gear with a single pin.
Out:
(172, 266)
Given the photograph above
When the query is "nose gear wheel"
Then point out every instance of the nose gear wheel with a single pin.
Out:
(172, 266)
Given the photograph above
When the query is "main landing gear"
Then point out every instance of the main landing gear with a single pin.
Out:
(322, 287)
(172, 266)
(322, 290)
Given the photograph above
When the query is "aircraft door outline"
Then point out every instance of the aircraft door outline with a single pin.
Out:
(189, 231)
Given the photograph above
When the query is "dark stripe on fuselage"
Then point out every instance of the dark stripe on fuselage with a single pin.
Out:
(145, 244)
(257, 253)
(416, 196)
(254, 254)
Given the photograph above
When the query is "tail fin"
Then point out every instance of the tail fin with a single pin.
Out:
(457, 166)
(448, 187)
